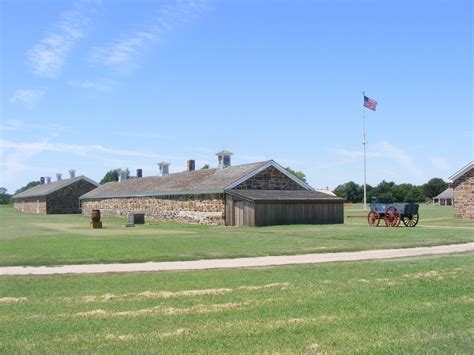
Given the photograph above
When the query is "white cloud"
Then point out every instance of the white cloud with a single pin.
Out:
(123, 53)
(440, 163)
(17, 125)
(47, 57)
(352, 155)
(386, 151)
(403, 158)
(143, 135)
(81, 150)
(101, 85)
(17, 157)
(28, 97)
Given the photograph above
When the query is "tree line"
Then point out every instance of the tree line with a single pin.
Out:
(391, 191)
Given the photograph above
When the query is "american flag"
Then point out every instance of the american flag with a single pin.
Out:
(369, 103)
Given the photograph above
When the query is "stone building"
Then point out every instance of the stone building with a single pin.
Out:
(463, 187)
(61, 196)
(211, 196)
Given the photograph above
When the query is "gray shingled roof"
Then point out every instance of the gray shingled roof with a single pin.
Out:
(284, 195)
(46, 189)
(193, 182)
(448, 193)
(462, 171)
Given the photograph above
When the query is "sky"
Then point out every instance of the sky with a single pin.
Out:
(95, 85)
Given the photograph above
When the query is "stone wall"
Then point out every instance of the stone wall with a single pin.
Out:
(269, 179)
(30, 204)
(66, 200)
(464, 196)
(192, 209)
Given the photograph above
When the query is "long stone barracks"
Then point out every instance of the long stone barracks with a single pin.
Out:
(60, 196)
(257, 194)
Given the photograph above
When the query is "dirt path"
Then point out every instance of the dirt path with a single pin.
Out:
(236, 263)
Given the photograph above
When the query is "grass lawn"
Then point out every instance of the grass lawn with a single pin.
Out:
(423, 305)
(27, 239)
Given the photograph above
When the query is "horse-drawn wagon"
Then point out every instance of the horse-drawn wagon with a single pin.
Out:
(393, 213)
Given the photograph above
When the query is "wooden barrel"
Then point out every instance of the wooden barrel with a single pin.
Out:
(95, 215)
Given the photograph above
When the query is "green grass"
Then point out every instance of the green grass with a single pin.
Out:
(27, 239)
(429, 216)
(422, 305)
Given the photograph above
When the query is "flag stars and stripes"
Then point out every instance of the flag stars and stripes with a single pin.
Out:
(370, 103)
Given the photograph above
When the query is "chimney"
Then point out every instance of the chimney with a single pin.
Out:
(72, 174)
(139, 173)
(450, 185)
(42, 180)
(59, 176)
(48, 179)
(191, 165)
(164, 168)
(223, 159)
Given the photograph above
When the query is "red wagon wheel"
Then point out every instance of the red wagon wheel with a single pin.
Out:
(373, 219)
(392, 217)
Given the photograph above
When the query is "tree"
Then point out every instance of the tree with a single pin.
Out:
(434, 187)
(383, 191)
(27, 186)
(5, 198)
(299, 174)
(112, 175)
(416, 194)
(205, 167)
(400, 192)
(350, 191)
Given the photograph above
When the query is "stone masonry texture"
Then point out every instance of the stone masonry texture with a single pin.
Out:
(197, 209)
(192, 209)
(31, 204)
(269, 179)
(464, 196)
(64, 200)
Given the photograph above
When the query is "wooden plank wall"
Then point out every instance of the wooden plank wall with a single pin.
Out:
(274, 213)
(244, 213)
(229, 210)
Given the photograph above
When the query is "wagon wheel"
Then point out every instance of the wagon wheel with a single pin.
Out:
(392, 217)
(373, 219)
(410, 220)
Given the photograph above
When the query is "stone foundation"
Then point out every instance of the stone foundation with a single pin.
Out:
(35, 205)
(464, 196)
(190, 209)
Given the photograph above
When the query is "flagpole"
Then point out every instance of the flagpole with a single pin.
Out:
(364, 142)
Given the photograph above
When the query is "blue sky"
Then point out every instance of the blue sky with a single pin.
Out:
(96, 85)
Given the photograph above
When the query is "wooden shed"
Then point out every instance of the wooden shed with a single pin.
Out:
(256, 208)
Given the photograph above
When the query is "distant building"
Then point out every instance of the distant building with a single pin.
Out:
(326, 191)
(445, 198)
(57, 197)
(463, 186)
(257, 194)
